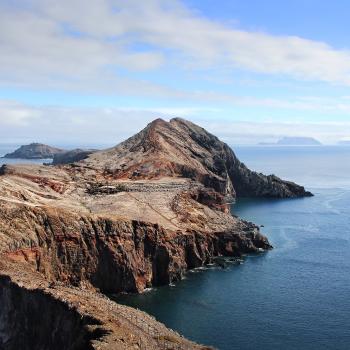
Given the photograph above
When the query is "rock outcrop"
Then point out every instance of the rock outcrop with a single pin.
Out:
(34, 151)
(134, 216)
(72, 156)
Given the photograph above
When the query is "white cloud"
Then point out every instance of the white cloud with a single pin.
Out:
(54, 124)
(15, 114)
(70, 45)
(75, 45)
(86, 126)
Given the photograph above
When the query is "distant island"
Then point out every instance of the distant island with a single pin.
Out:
(42, 151)
(293, 141)
(344, 143)
(34, 151)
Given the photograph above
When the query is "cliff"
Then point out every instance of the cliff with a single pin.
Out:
(38, 315)
(34, 151)
(114, 255)
(124, 219)
(61, 239)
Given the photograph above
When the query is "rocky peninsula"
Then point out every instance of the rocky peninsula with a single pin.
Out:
(121, 220)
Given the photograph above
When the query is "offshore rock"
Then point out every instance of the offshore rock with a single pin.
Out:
(34, 151)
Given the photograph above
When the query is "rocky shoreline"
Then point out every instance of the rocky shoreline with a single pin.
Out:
(138, 215)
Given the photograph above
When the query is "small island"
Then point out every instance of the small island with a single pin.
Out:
(344, 143)
(34, 151)
(293, 141)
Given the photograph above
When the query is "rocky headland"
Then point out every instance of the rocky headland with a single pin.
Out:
(120, 220)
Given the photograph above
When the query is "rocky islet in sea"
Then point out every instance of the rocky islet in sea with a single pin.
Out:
(34, 151)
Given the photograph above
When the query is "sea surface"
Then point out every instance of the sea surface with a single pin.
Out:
(296, 296)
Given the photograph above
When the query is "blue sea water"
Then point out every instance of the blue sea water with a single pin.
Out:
(296, 296)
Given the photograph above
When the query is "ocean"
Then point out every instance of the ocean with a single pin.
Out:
(296, 296)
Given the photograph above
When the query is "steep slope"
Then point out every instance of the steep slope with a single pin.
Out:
(181, 148)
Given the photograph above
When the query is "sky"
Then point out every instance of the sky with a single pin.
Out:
(94, 73)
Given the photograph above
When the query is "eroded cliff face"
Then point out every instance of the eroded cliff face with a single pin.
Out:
(116, 255)
(56, 250)
(41, 315)
(32, 320)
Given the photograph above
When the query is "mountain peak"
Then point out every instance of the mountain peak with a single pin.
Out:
(157, 123)
(180, 148)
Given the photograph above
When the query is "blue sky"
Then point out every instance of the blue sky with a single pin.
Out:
(317, 20)
(249, 71)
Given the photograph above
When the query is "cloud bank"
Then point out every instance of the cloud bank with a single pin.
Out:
(72, 45)
(149, 51)
(20, 123)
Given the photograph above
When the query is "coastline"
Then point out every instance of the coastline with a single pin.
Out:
(132, 223)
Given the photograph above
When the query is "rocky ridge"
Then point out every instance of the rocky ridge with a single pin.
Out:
(180, 148)
(122, 220)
